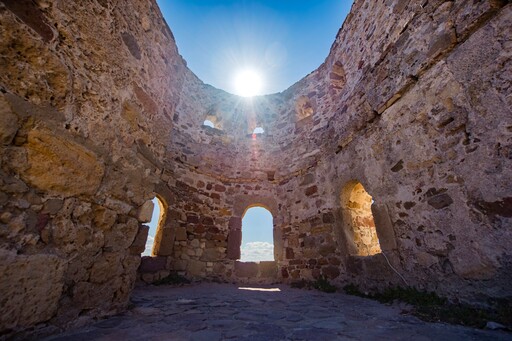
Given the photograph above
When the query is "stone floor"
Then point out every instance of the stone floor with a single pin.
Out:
(212, 312)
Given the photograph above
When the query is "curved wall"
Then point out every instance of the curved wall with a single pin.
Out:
(100, 113)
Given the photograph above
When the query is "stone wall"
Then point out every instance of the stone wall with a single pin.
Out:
(99, 114)
(86, 104)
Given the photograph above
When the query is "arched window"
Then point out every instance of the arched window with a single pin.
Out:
(257, 235)
(158, 213)
(359, 220)
(258, 130)
(209, 123)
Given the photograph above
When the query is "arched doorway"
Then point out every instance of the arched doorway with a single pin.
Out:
(257, 235)
(154, 224)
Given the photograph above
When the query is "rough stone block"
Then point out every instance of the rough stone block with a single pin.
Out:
(331, 272)
(246, 269)
(384, 227)
(67, 162)
(145, 212)
(152, 264)
(139, 244)
(268, 269)
(8, 122)
(164, 242)
(211, 255)
(234, 242)
(106, 267)
(196, 268)
(30, 288)
(181, 234)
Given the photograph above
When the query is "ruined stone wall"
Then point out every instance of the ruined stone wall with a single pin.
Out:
(423, 123)
(88, 91)
(99, 114)
(395, 107)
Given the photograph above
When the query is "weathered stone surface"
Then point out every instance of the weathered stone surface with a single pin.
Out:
(8, 122)
(246, 269)
(146, 212)
(122, 235)
(268, 269)
(106, 267)
(32, 16)
(139, 244)
(196, 268)
(152, 264)
(234, 242)
(56, 163)
(39, 284)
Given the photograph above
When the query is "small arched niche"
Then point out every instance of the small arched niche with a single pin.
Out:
(208, 123)
(156, 225)
(303, 108)
(358, 220)
(258, 130)
(212, 121)
(257, 235)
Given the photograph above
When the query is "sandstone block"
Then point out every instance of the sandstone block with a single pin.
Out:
(152, 264)
(122, 235)
(30, 288)
(268, 269)
(105, 267)
(246, 269)
(234, 242)
(52, 206)
(196, 268)
(8, 122)
(104, 218)
(211, 255)
(146, 212)
(67, 160)
(93, 295)
(139, 244)
(181, 233)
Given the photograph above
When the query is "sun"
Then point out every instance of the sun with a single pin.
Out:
(248, 83)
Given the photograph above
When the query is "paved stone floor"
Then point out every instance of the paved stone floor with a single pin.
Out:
(212, 312)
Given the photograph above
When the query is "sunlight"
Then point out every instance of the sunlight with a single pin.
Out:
(248, 83)
(259, 289)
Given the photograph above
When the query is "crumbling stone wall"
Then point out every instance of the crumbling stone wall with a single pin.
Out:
(86, 103)
(100, 114)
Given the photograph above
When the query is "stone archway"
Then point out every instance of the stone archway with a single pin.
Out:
(257, 235)
(242, 204)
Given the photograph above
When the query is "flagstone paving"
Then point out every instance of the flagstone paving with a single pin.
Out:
(212, 312)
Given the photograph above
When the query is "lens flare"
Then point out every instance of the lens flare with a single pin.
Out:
(248, 83)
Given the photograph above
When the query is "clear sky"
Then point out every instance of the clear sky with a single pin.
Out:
(283, 40)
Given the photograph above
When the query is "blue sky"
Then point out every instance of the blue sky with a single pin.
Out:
(283, 39)
(257, 235)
